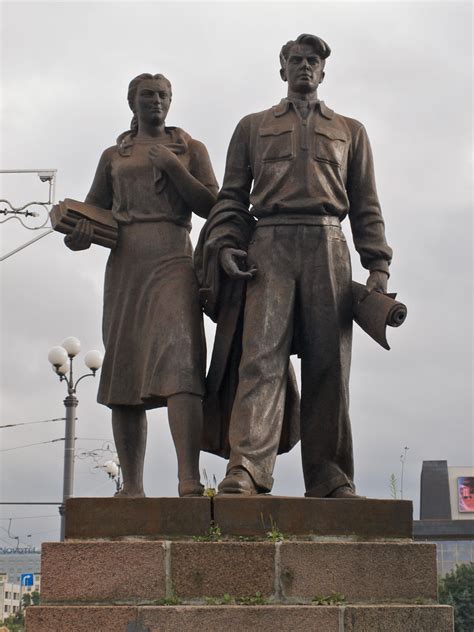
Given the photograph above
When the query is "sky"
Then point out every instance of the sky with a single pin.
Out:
(401, 68)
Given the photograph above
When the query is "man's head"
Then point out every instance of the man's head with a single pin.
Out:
(302, 63)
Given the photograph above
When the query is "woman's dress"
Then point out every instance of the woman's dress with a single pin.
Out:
(152, 323)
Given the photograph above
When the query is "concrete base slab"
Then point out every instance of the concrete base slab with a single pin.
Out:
(103, 572)
(151, 517)
(142, 571)
(254, 516)
(398, 618)
(360, 518)
(239, 619)
(80, 618)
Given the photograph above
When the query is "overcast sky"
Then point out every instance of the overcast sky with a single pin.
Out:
(403, 69)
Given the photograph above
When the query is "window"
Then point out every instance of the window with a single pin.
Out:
(7, 594)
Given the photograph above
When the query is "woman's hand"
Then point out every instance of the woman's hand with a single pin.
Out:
(229, 260)
(162, 158)
(81, 236)
(198, 198)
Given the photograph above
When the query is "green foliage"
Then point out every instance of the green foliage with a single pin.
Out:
(228, 600)
(35, 598)
(274, 534)
(210, 489)
(213, 535)
(15, 622)
(457, 589)
(30, 599)
(254, 600)
(334, 599)
(392, 481)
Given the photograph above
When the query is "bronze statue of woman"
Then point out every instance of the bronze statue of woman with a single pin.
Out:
(152, 180)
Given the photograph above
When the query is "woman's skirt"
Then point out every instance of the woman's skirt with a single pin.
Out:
(152, 322)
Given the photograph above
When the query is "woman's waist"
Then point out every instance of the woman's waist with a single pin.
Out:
(128, 218)
(154, 238)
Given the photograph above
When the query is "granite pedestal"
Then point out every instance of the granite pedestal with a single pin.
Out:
(149, 565)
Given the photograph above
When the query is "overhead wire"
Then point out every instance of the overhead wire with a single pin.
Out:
(28, 423)
(30, 445)
(15, 537)
(28, 517)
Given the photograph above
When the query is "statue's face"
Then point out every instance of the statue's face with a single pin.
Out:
(153, 101)
(304, 69)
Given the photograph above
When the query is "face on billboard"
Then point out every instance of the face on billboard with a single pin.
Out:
(466, 493)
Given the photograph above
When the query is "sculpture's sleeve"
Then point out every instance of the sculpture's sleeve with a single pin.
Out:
(229, 224)
(101, 192)
(365, 215)
(238, 177)
(201, 167)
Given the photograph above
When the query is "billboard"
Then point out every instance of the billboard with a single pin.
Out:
(466, 494)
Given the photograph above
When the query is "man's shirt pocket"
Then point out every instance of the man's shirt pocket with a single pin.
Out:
(277, 143)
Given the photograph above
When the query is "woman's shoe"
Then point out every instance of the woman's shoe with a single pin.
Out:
(190, 488)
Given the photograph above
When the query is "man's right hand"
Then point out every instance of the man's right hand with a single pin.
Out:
(81, 236)
(229, 259)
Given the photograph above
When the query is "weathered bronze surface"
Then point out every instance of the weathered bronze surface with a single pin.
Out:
(150, 181)
(375, 311)
(283, 284)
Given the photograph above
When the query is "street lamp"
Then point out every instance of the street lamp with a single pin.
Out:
(61, 357)
(113, 469)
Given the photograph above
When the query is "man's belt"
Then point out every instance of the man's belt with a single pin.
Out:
(299, 220)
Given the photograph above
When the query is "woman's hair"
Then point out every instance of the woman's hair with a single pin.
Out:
(132, 93)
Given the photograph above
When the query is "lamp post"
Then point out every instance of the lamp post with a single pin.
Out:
(113, 469)
(61, 357)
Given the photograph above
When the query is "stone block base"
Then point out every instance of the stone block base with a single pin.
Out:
(138, 572)
(365, 519)
(168, 518)
(132, 565)
(239, 618)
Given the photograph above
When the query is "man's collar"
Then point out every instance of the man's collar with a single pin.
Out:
(282, 108)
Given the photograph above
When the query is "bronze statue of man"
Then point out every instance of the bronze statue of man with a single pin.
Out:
(302, 168)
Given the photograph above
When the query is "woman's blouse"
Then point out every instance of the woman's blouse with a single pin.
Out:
(127, 182)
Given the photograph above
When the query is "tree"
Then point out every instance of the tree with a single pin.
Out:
(15, 622)
(457, 589)
(26, 600)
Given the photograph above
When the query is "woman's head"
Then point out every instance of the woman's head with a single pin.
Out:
(149, 97)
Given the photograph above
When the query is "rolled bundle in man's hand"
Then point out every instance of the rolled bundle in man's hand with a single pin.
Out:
(374, 311)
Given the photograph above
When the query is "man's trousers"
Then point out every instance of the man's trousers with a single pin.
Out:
(300, 297)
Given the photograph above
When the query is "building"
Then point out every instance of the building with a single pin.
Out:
(447, 513)
(11, 594)
(16, 561)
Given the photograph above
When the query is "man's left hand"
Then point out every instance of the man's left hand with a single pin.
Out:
(377, 282)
